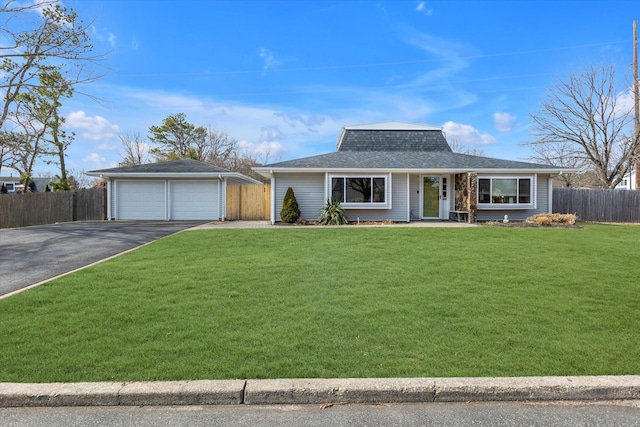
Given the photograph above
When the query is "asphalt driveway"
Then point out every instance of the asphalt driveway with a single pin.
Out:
(30, 255)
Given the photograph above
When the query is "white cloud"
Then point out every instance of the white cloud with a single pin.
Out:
(624, 103)
(106, 147)
(96, 161)
(268, 58)
(98, 35)
(422, 8)
(294, 118)
(112, 40)
(503, 122)
(135, 44)
(271, 134)
(265, 152)
(94, 128)
(466, 134)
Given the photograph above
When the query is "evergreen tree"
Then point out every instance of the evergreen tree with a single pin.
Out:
(290, 211)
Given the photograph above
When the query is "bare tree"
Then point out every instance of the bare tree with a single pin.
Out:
(78, 179)
(135, 150)
(561, 154)
(584, 121)
(220, 147)
(458, 147)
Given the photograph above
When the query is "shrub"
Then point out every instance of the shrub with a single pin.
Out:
(551, 219)
(290, 211)
(333, 214)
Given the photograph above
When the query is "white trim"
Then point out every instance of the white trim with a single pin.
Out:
(387, 204)
(408, 197)
(435, 171)
(550, 190)
(222, 196)
(109, 201)
(273, 198)
(508, 206)
(167, 198)
(234, 176)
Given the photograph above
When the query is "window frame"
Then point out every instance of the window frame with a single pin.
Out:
(491, 205)
(360, 205)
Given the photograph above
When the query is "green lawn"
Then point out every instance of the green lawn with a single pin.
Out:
(338, 302)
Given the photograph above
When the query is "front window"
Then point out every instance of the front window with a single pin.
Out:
(361, 190)
(500, 191)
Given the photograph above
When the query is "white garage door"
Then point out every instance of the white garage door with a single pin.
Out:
(141, 200)
(192, 200)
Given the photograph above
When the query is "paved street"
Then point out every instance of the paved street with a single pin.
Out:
(30, 255)
(575, 414)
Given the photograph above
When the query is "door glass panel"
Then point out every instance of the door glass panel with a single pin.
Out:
(431, 197)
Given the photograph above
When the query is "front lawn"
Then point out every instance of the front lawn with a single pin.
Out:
(338, 302)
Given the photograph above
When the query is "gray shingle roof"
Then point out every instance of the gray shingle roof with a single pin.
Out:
(174, 166)
(393, 140)
(396, 145)
(403, 160)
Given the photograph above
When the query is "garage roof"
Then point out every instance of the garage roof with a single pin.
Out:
(184, 168)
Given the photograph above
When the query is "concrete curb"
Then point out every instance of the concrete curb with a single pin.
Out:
(319, 391)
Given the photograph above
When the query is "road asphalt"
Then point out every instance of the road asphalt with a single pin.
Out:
(32, 255)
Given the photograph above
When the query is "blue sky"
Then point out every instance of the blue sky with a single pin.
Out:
(283, 77)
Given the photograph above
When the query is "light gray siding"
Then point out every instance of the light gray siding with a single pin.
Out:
(542, 196)
(399, 200)
(308, 189)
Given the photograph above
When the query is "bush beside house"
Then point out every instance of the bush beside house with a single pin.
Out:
(290, 211)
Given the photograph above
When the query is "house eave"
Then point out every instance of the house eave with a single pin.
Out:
(231, 176)
(266, 172)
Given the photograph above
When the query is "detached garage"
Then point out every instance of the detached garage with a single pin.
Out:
(169, 191)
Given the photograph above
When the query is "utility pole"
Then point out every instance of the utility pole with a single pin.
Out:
(636, 101)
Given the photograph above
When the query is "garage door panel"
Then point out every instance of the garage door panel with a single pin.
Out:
(194, 200)
(141, 200)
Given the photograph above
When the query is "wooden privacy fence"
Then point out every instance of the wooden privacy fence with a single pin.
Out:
(21, 210)
(248, 202)
(598, 205)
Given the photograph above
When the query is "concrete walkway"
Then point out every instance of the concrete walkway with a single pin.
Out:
(321, 391)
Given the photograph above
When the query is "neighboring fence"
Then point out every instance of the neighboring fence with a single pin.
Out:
(598, 205)
(21, 210)
(248, 202)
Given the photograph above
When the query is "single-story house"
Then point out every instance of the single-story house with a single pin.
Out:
(397, 171)
(13, 185)
(175, 190)
(628, 181)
